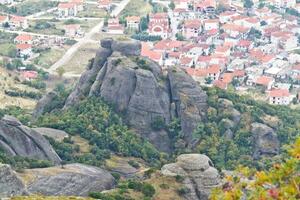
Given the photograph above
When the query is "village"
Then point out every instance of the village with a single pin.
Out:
(249, 46)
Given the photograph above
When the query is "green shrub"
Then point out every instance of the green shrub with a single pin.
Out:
(148, 190)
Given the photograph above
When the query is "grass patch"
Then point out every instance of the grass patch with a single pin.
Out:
(137, 8)
(49, 57)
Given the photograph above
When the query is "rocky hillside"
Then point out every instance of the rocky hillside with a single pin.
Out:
(71, 179)
(19, 140)
(139, 90)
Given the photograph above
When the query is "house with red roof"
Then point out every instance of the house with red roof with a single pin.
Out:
(114, 26)
(105, 4)
(279, 97)
(4, 19)
(191, 28)
(151, 54)
(235, 31)
(73, 30)
(205, 6)
(18, 22)
(133, 22)
(227, 16)
(79, 4)
(223, 51)
(29, 75)
(244, 45)
(159, 25)
(23, 39)
(264, 81)
(67, 9)
(24, 50)
(211, 24)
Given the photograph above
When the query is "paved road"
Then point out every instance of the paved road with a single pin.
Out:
(71, 51)
(86, 39)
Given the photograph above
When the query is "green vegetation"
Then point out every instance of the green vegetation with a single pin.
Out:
(144, 36)
(32, 6)
(24, 94)
(96, 122)
(45, 27)
(279, 182)
(19, 163)
(136, 8)
(229, 153)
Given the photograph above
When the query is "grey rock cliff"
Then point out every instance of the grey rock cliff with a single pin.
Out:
(17, 139)
(141, 92)
(72, 180)
(10, 183)
(265, 140)
(200, 177)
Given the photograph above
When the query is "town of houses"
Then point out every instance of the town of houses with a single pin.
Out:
(220, 43)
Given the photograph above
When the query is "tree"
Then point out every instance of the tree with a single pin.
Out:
(144, 23)
(172, 5)
(248, 4)
(179, 37)
(60, 71)
(148, 190)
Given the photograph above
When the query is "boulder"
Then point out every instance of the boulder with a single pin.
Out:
(17, 139)
(190, 100)
(43, 103)
(265, 141)
(10, 183)
(57, 135)
(127, 47)
(199, 174)
(71, 180)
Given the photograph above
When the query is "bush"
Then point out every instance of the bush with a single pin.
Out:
(158, 123)
(148, 190)
(179, 178)
(182, 191)
(134, 185)
(144, 36)
(117, 176)
(134, 164)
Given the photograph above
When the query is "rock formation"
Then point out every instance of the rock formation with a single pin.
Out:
(71, 180)
(198, 173)
(17, 139)
(56, 134)
(265, 140)
(10, 183)
(139, 90)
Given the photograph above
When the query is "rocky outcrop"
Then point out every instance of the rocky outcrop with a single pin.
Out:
(43, 103)
(17, 139)
(71, 180)
(56, 134)
(10, 183)
(198, 173)
(139, 90)
(265, 141)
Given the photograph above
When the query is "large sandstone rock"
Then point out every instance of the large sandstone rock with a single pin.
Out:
(17, 139)
(141, 92)
(198, 172)
(43, 103)
(10, 183)
(265, 140)
(57, 135)
(71, 180)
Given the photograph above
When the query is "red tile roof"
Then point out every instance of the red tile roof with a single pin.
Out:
(263, 80)
(24, 38)
(279, 93)
(23, 46)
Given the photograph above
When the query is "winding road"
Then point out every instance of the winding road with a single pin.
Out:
(86, 39)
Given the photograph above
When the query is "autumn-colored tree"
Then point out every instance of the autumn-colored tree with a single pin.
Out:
(281, 182)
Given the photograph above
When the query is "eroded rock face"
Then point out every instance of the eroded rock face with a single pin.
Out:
(198, 172)
(10, 183)
(17, 139)
(42, 104)
(265, 140)
(71, 180)
(141, 92)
